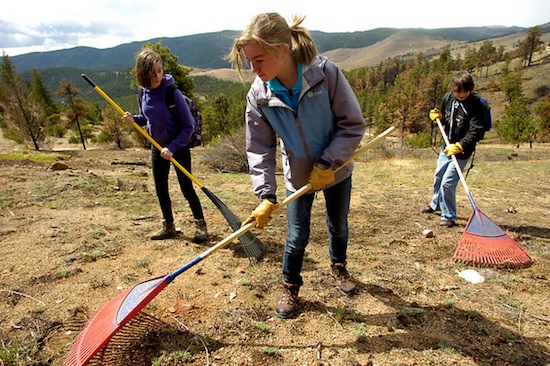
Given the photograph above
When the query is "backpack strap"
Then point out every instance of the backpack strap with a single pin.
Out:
(139, 97)
(447, 98)
(471, 164)
(170, 99)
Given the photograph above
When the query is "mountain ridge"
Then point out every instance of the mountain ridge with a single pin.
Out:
(207, 50)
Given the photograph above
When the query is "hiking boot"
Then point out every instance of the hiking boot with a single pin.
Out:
(447, 223)
(201, 233)
(427, 210)
(168, 231)
(345, 283)
(286, 306)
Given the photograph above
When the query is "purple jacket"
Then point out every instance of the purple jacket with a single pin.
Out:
(170, 132)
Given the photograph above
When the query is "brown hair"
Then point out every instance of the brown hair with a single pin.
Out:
(145, 62)
(271, 32)
(461, 81)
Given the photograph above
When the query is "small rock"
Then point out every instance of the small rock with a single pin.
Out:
(428, 233)
(59, 166)
(472, 276)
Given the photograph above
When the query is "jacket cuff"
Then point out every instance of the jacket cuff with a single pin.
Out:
(270, 197)
(324, 162)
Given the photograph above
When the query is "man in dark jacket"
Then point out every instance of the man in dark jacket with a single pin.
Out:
(463, 120)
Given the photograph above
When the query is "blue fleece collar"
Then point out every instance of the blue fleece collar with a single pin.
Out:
(290, 97)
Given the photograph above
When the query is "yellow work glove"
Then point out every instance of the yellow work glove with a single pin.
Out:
(261, 214)
(435, 113)
(453, 149)
(320, 178)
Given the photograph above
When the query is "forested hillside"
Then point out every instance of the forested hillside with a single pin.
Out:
(397, 91)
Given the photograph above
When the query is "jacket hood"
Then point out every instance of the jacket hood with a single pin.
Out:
(167, 80)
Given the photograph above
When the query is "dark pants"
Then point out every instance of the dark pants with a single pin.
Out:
(161, 168)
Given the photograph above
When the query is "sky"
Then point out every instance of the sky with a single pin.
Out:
(36, 26)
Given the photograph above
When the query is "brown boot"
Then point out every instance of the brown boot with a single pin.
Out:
(201, 234)
(168, 231)
(287, 303)
(345, 283)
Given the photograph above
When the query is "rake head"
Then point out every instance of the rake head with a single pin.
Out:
(485, 244)
(252, 246)
(108, 320)
(138, 342)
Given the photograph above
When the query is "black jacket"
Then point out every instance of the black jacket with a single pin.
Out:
(463, 122)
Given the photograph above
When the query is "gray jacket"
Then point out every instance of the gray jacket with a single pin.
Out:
(327, 125)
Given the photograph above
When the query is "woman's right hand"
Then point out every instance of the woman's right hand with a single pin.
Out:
(128, 118)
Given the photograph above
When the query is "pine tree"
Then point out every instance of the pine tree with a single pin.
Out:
(22, 111)
(517, 125)
(531, 44)
(542, 109)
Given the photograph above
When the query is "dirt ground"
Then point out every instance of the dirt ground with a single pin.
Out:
(73, 239)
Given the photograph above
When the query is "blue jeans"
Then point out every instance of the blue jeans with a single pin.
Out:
(337, 201)
(445, 181)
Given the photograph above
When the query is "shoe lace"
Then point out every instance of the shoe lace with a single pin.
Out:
(341, 273)
(289, 296)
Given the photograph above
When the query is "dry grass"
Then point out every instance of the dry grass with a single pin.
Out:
(71, 240)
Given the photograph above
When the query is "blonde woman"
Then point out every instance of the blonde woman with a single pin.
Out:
(305, 100)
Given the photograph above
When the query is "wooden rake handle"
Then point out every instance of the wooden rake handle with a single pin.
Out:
(458, 169)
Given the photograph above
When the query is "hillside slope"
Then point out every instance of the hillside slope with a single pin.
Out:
(408, 44)
(207, 50)
(401, 44)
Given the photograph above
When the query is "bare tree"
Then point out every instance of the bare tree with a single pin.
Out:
(75, 108)
(113, 129)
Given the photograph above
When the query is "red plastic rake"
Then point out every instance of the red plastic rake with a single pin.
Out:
(483, 243)
(108, 320)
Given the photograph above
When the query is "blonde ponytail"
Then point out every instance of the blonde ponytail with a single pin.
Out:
(302, 42)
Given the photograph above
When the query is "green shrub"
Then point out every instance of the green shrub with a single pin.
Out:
(418, 140)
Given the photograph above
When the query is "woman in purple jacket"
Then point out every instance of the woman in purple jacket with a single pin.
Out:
(170, 132)
(304, 100)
